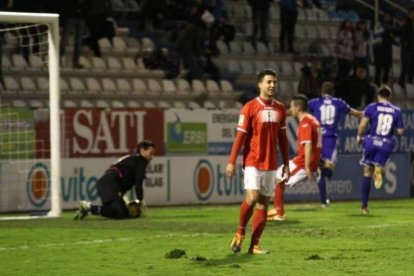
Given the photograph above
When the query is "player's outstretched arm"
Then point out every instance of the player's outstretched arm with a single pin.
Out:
(356, 113)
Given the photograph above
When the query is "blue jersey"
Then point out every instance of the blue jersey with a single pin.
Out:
(328, 110)
(384, 118)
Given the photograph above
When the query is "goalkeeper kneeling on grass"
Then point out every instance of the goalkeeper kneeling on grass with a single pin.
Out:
(118, 179)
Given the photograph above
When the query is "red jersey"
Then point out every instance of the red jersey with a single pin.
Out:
(309, 130)
(261, 120)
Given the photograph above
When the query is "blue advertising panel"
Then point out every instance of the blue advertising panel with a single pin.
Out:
(345, 184)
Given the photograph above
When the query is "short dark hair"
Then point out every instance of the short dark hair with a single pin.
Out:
(266, 72)
(327, 88)
(301, 101)
(385, 91)
(145, 144)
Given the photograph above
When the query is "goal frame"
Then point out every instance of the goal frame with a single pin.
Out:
(52, 20)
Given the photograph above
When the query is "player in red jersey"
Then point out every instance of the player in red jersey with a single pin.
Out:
(261, 128)
(306, 163)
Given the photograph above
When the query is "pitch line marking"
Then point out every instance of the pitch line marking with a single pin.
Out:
(25, 247)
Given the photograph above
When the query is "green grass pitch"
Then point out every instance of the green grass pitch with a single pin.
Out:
(313, 241)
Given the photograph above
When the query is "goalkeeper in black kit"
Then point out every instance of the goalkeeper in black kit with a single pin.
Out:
(118, 179)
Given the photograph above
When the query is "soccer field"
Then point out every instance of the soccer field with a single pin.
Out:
(313, 241)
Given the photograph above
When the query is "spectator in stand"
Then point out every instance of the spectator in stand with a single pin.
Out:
(356, 89)
(73, 16)
(362, 44)
(260, 17)
(288, 19)
(384, 38)
(99, 24)
(407, 49)
(343, 49)
(311, 80)
(220, 28)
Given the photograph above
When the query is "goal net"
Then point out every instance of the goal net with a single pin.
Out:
(29, 108)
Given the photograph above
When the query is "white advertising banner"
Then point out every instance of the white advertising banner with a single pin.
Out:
(170, 181)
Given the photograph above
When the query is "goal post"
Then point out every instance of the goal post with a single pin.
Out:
(52, 20)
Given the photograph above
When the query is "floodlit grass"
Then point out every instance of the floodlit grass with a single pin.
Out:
(313, 241)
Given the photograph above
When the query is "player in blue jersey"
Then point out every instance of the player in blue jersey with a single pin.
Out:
(329, 110)
(383, 119)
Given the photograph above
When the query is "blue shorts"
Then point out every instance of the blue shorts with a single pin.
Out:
(329, 149)
(375, 151)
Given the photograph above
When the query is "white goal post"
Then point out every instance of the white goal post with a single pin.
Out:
(52, 20)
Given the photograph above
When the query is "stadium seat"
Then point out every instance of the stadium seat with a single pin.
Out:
(193, 105)
(34, 104)
(28, 85)
(129, 64)
(248, 48)
(19, 62)
(409, 91)
(154, 87)
(118, 44)
(233, 67)
(43, 85)
(247, 67)
(222, 47)
(198, 87)
(168, 86)
(76, 85)
(297, 66)
(163, 104)
(148, 104)
(147, 45)
(273, 65)
(101, 104)
(398, 92)
(133, 104)
(226, 86)
(114, 64)
(124, 87)
(117, 104)
(11, 84)
(36, 63)
(19, 103)
(260, 65)
(212, 87)
(209, 105)
(85, 62)
(261, 48)
(287, 68)
(139, 87)
(235, 47)
(104, 44)
(183, 87)
(311, 14)
(5, 62)
(323, 32)
(93, 87)
(312, 32)
(86, 104)
(69, 104)
(179, 104)
(63, 85)
(98, 64)
(108, 86)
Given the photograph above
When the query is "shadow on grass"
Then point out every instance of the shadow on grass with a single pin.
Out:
(231, 260)
(274, 223)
